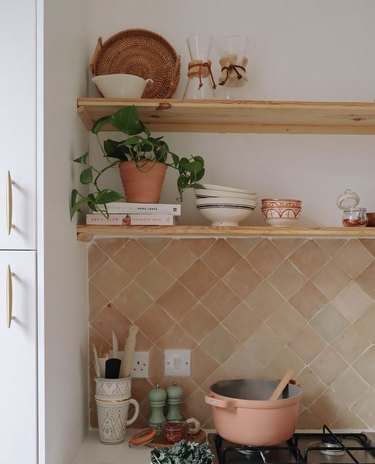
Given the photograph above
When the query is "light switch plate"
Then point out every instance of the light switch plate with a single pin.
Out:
(177, 363)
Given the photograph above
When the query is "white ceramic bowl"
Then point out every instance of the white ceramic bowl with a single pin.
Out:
(225, 215)
(222, 201)
(207, 193)
(121, 85)
(280, 203)
(226, 189)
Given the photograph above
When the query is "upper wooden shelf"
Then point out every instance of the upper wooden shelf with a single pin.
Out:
(240, 116)
(87, 232)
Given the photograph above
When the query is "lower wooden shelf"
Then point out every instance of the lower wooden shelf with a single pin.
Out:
(88, 232)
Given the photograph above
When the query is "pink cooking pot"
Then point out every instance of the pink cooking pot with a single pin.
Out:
(243, 414)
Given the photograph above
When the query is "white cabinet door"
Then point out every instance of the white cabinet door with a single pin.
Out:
(18, 357)
(18, 124)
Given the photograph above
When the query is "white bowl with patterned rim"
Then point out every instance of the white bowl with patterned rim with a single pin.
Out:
(207, 193)
(233, 202)
(225, 189)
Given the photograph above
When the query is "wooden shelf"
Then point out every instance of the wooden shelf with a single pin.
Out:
(240, 116)
(87, 232)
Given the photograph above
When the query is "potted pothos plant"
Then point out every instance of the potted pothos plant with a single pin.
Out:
(139, 157)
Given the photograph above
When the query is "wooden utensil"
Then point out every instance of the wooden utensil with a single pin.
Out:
(127, 358)
(96, 361)
(282, 384)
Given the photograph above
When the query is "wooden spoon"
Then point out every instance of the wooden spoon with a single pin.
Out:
(282, 384)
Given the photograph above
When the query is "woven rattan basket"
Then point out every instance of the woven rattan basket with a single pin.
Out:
(142, 53)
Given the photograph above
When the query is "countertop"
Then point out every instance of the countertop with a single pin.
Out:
(92, 451)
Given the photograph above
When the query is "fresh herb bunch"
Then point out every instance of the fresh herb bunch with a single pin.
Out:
(183, 452)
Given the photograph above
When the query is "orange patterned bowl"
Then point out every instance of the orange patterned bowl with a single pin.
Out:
(281, 212)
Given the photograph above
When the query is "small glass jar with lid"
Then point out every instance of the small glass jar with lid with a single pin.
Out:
(353, 216)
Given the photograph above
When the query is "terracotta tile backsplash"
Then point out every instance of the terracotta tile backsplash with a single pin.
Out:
(245, 307)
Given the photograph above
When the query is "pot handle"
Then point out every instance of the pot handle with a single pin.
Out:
(210, 399)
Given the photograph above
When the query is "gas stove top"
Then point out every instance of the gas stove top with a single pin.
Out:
(323, 447)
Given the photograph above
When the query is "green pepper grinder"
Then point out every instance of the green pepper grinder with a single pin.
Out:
(174, 393)
(157, 397)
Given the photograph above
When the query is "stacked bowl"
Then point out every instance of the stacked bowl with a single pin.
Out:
(224, 206)
(281, 211)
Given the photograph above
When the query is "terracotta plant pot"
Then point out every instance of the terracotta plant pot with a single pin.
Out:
(143, 181)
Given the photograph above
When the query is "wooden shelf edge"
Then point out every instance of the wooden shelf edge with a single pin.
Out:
(87, 232)
(242, 116)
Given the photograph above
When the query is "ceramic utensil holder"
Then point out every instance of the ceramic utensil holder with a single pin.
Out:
(113, 389)
(113, 419)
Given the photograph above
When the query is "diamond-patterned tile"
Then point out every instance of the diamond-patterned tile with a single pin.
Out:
(366, 280)
(154, 279)
(198, 279)
(365, 366)
(238, 322)
(329, 323)
(287, 280)
(263, 344)
(97, 301)
(198, 322)
(177, 301)
(110, 246)
(154, 322)
(110, 279)
(133, 301)
(265, 258)
(201, 364)
(242, 279)
(220, 257)
(264, 300)
(96, 259)
(287, 245)
(220, 344)
(220, 300)
(328, 365)
(330, 245)
(331, 279)
(242, 322)
(352, 301)
(353, 258)
(307, 343)
(349, 386)
(199, 245)
(286, 323)
(364, 408)
(243, 245)
(369, 243)
(176, 258)
(132, 258)
(309, 258)
(109, 320)
(327, 407)
(308, 301)
(154, 245)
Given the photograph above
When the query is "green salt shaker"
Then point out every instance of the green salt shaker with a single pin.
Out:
(157, 397)
(175, 394)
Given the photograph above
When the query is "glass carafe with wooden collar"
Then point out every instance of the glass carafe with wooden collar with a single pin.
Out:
(201, 84)
(233, 83)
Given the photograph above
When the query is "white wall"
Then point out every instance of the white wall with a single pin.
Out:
(65, 259)
(304, 50)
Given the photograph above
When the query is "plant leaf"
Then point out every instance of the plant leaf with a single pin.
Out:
(107, 196)
(82, 159)
(86, 176)
(100, 123)
(127, 121)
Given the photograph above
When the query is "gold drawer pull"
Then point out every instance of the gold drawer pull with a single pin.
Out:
(9, 292)
(9, 200)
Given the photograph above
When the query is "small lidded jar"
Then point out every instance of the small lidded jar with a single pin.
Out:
(353, 216)
(174, 431)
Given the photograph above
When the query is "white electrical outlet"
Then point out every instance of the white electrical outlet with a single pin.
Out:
(177, 363)
(140, 364)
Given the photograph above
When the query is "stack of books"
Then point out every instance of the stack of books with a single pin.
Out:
(136, 214)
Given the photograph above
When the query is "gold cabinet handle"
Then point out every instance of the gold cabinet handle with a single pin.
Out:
(9, 196)
(9, 300)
